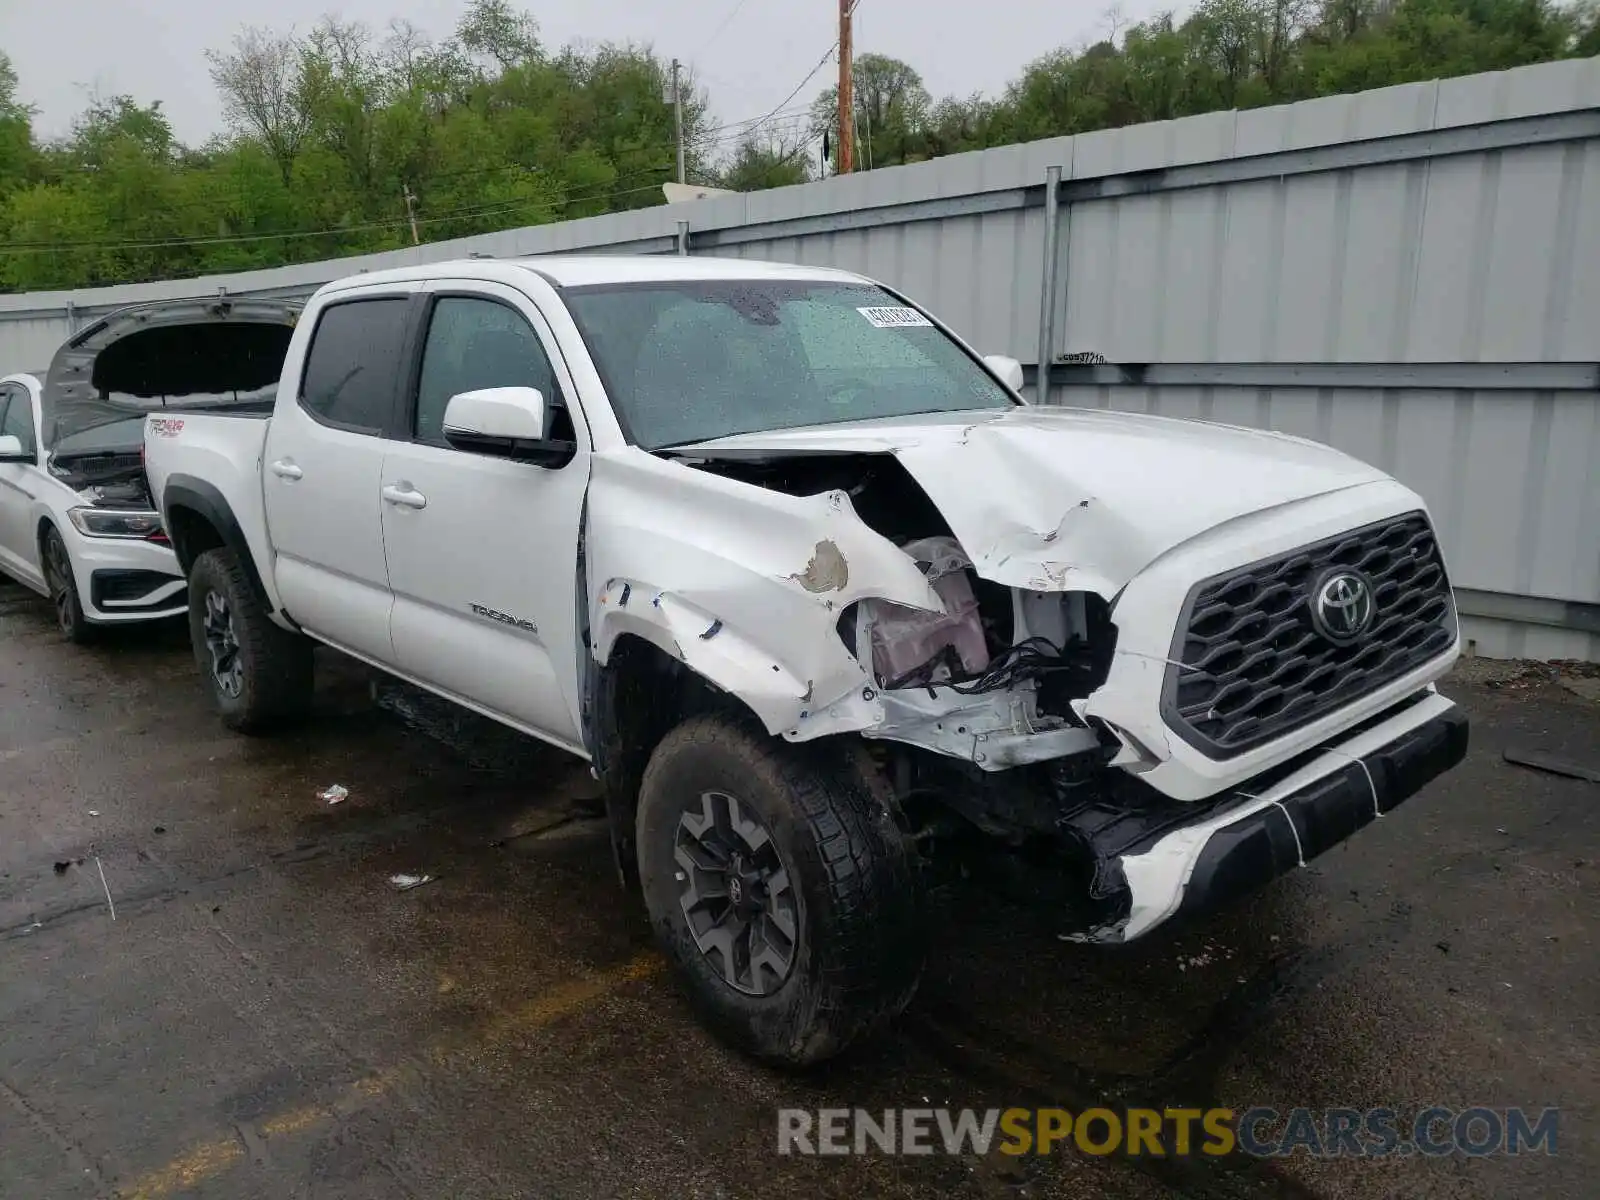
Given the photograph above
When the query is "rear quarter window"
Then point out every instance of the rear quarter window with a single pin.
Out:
(353, 366)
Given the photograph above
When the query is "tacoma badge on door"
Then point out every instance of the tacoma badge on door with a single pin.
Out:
(494, 615)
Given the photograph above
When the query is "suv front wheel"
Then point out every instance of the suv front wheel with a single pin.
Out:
(781, 887)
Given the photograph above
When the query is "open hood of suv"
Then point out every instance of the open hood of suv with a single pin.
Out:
(1074, 499)
(170, 354)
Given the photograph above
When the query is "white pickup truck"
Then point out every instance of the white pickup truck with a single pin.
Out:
(822, 600)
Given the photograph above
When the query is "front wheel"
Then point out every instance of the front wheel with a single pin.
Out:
(781, 887)
(63, 587)
(259, 674)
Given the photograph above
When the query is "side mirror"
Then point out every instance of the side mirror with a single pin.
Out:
(11, 449)
(1008, 368)
(505, 422)
(497, 415)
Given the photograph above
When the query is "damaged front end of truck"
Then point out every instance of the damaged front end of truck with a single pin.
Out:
(952, 592)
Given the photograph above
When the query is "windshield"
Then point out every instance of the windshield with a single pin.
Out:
(689, 361)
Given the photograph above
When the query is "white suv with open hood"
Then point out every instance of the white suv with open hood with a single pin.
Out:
(825, 603)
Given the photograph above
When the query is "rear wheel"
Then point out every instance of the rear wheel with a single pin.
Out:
(259, 674)
(63, 587)
(781, 887)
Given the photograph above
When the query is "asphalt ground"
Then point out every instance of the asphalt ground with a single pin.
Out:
(266, 1016)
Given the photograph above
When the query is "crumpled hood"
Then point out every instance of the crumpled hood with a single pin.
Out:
(1075, 499)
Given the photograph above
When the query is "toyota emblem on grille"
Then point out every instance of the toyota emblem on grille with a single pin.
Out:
(1342, 606)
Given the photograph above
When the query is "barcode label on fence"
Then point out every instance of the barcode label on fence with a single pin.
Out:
(894, 318)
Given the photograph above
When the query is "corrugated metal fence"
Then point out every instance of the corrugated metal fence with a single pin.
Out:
(1411, 274)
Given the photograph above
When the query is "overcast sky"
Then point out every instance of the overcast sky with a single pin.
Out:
(66, 50)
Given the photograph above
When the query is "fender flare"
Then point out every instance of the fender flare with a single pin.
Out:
(203, 499)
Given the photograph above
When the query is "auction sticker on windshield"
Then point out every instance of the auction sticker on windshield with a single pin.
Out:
(894, 318)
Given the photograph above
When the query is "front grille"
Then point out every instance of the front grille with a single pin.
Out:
(1249, 665)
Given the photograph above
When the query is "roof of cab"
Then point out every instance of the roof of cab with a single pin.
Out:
(580, 270)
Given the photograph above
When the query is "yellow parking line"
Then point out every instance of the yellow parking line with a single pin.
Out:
(554, 1004)
(295, 1120)
(201, 1163)
(211, 1159)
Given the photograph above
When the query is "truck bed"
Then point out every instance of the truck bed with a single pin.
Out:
(210, 460)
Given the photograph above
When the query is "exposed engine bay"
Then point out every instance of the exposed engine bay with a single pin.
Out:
(989, 639)
(979, 729)
(107, 478)
(990, 602)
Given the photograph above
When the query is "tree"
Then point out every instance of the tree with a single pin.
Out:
(121, 125)
(494, 31)
(767, 162)
(17, 154)
(336, 137)
(890, 108)
(1588, 31)
(266, 92)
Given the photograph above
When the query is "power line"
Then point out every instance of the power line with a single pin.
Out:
(812, 74)
(731, 131)
(796, 119)
(218, 204)
(495, 208)
(723, 26)
(742, 129)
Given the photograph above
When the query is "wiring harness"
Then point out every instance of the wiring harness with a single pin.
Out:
(1036, 658)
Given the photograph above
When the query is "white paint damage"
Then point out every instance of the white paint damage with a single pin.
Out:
(746, 585)
(1058, 500)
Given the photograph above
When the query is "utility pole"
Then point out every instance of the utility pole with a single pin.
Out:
(677, 117)
(847, 99)
(411, 213)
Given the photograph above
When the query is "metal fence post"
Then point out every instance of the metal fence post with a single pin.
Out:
(683, 238)
(72, 318)
(1047, 290)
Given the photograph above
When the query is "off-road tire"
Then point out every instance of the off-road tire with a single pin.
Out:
(275, 676)
(862, 940)
(63, 586)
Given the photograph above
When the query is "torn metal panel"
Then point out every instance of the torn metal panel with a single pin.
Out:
(1075, 500)
(995, 730)
(744, 585)
(827, 571)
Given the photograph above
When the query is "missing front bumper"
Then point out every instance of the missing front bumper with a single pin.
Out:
(1229, 852)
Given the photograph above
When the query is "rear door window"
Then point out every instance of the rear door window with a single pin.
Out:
(353, 366)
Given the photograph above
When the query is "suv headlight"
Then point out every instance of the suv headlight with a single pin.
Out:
(115, 523)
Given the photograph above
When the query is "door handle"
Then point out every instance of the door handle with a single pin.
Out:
(404, 496)
(284, 469)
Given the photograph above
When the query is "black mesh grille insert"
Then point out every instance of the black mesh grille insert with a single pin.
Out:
(111, 586)
(1253, 665)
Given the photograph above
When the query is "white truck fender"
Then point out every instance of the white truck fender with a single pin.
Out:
(744, 586)
(206, 468)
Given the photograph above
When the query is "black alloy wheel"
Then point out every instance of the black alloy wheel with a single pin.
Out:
(736, 894)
